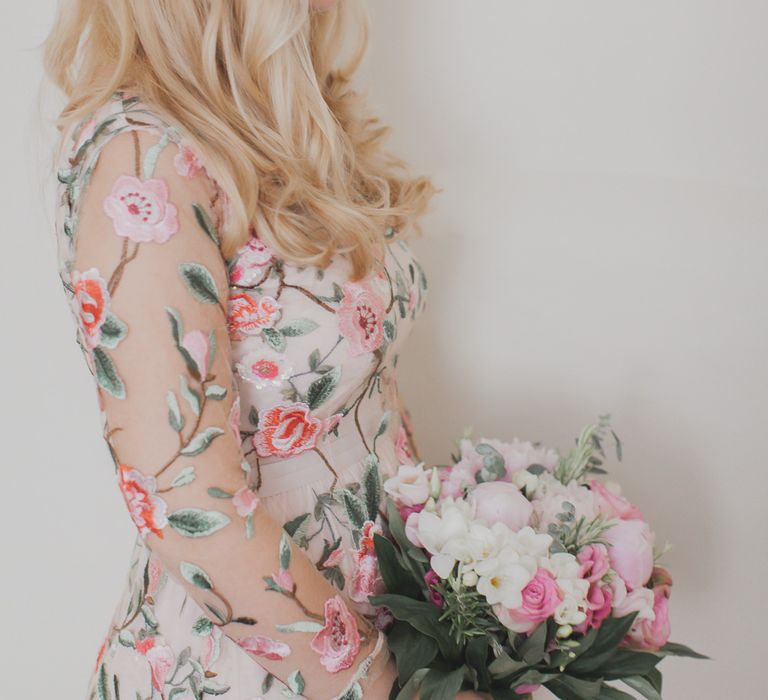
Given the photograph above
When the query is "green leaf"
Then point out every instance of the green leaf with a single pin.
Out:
(195, 575)
(296, 682)
(625, 662)
(300, 326)
(106, 374)
(532, 650)
(102, 686)
(493, 463)
(200, 282)
(477, 658)
(195, 522)
(673, 649)
(397, 578)
(113, 330)
(184, 477)
(371, 483)
(266, 684)
(612, 631)
(200, 442)
(354, 507)
(274, 339)
(190, 396)
(215, 392)
(205, 223)
(202, 626)
(408, 691)
(441, 685)
(211, 687)
(215, 492)
(607, 692)
(570, 688)
(285, 550)
(643, 686)
(412, 649)
(384, 423)
(174, 413)
(321, 389)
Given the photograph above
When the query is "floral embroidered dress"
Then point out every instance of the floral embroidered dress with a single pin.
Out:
(250, 408)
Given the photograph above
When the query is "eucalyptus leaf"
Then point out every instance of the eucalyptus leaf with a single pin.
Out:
(195, 522)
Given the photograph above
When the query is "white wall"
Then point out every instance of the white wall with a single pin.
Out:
(600, 246)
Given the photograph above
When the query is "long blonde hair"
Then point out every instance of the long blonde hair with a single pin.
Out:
(263, 89)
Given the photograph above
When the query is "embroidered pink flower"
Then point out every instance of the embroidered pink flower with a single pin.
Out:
(283, 578)
(160, 658)
(263, 368)
(366, 579)
(361, 318)
(187, 162)
(334, 558)
(248, 316)
(141, 210)
(92, 299)
(211, 648)
(147, 510)
(251, 260)
(403, 448)
(196, 344)
(332, 421)
(266, 647)
(245, 501)
(339, 640)
(155, 571)
(286, 430)
(234, 417)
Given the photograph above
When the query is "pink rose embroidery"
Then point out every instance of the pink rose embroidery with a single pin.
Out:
(141, 210)
(92, 299)
(366, 580)
(266, 647)
(339, 640)
(250, 262)
(245, 501)
(160, 658)
(286, 430)
(147, 510)
(247, 316)
(361, 318)
(263, 368)
(187, 162)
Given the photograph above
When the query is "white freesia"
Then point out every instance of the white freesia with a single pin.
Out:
(503, 577)
(445, 534)
(410, 486)
(565, 568)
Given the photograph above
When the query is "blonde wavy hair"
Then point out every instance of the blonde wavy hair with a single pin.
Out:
(263, 89)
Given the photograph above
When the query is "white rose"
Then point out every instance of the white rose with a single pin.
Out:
(410, 486)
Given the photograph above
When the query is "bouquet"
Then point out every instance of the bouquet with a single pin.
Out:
(515, 568)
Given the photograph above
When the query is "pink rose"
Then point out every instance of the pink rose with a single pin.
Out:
(196, 344)
(266, 647)
(141, 211)
(286, 430)
(652, 634)
(631, 551)
(366, 580)
(147, 509)
(541, 596)
(361, 318)
(245, 501)
(501, 502)
(339, 640)
(613, 505)
(594, 562)
(599, 601)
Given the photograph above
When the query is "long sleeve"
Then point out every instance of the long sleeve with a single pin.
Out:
(151, 286)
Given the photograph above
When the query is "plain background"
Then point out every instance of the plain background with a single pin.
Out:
(600, 246)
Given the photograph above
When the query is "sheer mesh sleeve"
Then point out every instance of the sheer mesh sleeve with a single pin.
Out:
(151, 286)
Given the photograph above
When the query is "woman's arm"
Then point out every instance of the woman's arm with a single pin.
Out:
(151, 286)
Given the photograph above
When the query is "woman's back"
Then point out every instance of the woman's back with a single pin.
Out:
(243, 400)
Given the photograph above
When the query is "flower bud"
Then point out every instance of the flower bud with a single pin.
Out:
(564, 631)
(434, 484)
(430, 506)
(470, 579)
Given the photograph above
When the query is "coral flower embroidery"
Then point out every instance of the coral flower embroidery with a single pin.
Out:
(160, 658)
(361, 318)
(187, 162)
(247, 316)
(339, 640)
(141, 210)
(92, 297)
(147, 510)
(251, 259)
(286, 430)
(263, 368)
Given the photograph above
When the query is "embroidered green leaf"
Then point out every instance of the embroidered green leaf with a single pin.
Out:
(113, 330)
(195, 575)
(371, 483)
(212, 687)
(249, 526)
(126, 638)
(300, 326)
(314, 359)
(106, 374)
(297, 528)
(266, 684)
(215, 492)
(215, 392)
(354, 507)
(384, 423)
(274, 338)
(175, 692)
(321, 389)
(184, 477)
(200, 442)
(296, 682)
(212, 346)
(389, 330)
(195, 522)
(216, 613)
(300, 626)
(285, 550)
(174, 413)
(205, 223)
(150, 159)
(203, 626)
(101, 686)
(177, 326)
(355, 692)
(200, 282)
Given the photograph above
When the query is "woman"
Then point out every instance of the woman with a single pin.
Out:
(232, 242)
